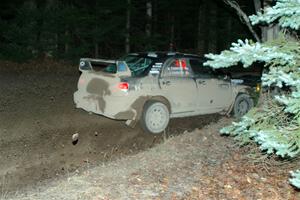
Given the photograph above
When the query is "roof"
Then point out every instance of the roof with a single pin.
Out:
(162, 54)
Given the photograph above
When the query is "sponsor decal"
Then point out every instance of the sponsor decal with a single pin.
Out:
(156, 68)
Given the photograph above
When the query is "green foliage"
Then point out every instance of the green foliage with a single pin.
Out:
(275, 125)
(271, 128)
(295, 180)
(287, 12)
(247, 53)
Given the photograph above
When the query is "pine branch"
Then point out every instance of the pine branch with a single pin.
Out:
(275, 124)
(295, 180)
(247, 53)
(243, 17)
(287, 12)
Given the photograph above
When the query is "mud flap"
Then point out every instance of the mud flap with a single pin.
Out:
(229, 110)
(132, 122)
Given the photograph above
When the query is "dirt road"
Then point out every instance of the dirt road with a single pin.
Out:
(38, 119)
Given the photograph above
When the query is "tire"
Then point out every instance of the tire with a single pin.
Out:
(155, 117)
(243, 103)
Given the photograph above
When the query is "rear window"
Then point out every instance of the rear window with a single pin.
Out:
(138, 65)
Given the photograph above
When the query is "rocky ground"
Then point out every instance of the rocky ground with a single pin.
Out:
(113, 161)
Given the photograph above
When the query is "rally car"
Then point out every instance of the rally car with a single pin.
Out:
(153, 87)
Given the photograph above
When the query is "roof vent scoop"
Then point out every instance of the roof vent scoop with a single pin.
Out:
(84, 65)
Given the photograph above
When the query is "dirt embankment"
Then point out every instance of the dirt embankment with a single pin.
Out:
(196, 165)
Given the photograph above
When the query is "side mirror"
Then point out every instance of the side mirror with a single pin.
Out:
(224, 77)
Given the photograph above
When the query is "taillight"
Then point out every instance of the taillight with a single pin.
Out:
(123, 86)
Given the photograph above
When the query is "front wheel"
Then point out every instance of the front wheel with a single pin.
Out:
(243, 103)
(155, 118)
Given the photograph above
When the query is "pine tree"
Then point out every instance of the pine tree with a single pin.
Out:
(274, 125)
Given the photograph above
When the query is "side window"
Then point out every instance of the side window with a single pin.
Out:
(177, 68)
(199, 69)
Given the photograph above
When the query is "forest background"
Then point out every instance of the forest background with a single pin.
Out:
(71, 29)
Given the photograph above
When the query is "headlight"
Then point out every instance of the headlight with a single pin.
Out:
(258, 87)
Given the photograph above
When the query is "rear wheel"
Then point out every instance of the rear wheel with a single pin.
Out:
(155, 118)
(243, 103)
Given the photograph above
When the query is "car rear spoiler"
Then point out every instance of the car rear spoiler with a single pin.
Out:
(90, 64)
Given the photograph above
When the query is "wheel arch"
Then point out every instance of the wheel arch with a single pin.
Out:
(242, 92)
(139, 105)
(160, 99)
(237, 92)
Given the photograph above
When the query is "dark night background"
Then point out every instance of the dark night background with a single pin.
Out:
(71, 29)
(41, 43)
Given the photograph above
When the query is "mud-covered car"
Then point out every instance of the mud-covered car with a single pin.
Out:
(153, 87)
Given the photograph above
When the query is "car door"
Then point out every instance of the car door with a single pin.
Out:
(214, 92)
(179, 87)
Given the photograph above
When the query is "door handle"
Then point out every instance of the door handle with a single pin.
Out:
(166, 82)
(201, 82)
(224, 85)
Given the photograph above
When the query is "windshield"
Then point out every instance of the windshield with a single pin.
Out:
(138, 65)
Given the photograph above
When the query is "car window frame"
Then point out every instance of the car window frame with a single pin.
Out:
(169, 61)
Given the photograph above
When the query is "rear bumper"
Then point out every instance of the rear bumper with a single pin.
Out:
(109, 106)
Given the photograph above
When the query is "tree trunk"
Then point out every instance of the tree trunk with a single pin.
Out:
(200, 29)
(30, 4)
(213, 14)
(66, 41)
(257, 5)
(270, 32)
(96, 49)
(221, 29)
(228, 31)
(50, 3)
(127, 36)
(56, 42)
(172, 33)
(155, 16)
(267, 33)
(206, 26)
(149, 18)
